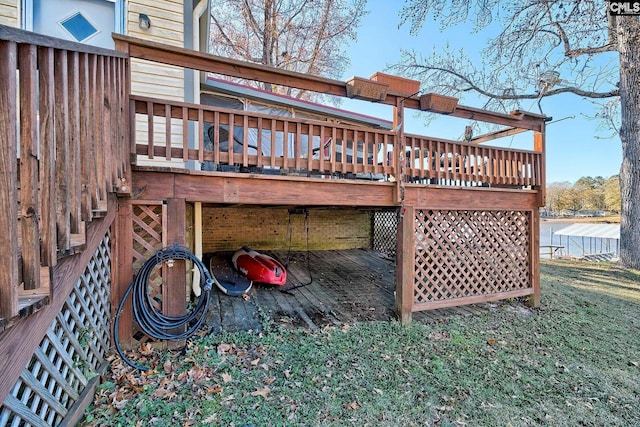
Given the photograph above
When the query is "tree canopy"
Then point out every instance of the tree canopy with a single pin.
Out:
(587, 193)
(306, 36)
(540, 49)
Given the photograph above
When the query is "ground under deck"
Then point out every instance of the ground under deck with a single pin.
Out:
(348, 286)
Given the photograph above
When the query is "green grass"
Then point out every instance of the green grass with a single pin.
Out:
(573, 361)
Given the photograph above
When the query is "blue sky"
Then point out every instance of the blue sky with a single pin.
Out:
(575, 146)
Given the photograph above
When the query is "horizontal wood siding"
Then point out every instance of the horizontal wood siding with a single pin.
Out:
(9, 13)
(227, 229)
(167, 24)
(152, 79)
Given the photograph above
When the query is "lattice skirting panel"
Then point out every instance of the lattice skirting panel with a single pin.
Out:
(385, 232)
(464, 257)
(148, 223)
(74, 347)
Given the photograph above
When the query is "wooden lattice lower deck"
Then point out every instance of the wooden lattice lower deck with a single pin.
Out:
(461, 256)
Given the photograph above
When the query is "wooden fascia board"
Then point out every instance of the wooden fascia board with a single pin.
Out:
(250, 189)
(480, 198)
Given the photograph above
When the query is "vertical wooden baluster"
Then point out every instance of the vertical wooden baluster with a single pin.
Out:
(86, 212)
(108, 104)
(333, 149)
(259, 143)
(150, 143)
(231, 139)
(46, 83)
(365, 153)
(321, 149)
(74, 172)
(9, 277)
(185, 134)
(273, 142)
(29, 211)
(94, 130)
(167, 131)
(62, 150)
(100, 123)
(216, 138)
(245, 141)
(310, 149)
(285, 145)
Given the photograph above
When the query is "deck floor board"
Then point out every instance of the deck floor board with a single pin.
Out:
(348, 286)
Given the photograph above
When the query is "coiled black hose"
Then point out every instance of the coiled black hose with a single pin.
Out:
(151, 321)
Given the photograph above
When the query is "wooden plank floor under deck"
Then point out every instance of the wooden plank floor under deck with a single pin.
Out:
(348, 286)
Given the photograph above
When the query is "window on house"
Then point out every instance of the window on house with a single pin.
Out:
(79, 27)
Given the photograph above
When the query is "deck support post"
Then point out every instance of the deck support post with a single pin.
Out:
(174, 295)
(534, 259)
(539, 146)
(399, 148)
(405, 256)
(122, 270)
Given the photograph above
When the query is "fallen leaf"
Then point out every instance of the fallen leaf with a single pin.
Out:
(438, 336)
(216, 389)
(264, 392)
(167, 367)
(491, 341)
(269, 380)
(287, 373)
(353, 405)
(160, 393)
(226, 378)
(119, 404)
(255, 362)
(146, 349)
(211, 418)
(224, 348)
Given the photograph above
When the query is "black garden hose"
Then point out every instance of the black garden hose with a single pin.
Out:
(151, 321)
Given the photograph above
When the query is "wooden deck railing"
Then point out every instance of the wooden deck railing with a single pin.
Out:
(239, 140)
(443, 161)
(232, 138)
(63, 147)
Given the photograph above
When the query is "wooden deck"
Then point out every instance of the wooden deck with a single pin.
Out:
(348, 286)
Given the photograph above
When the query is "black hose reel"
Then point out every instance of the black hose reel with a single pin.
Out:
(151, 321)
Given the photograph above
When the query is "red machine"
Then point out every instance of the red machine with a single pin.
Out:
(258, 267)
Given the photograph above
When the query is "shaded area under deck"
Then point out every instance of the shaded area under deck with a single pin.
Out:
(348, 286)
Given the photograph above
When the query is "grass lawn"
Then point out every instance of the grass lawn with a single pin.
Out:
(573, 361)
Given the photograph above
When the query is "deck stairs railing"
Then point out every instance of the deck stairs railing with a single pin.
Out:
(64, 148)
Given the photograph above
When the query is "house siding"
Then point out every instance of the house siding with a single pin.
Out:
(9, 13)
(153, 79)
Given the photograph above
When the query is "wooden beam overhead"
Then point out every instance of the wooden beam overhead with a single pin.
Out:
(495, 135)
(181, 57)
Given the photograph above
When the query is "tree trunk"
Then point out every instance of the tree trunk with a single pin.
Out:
(628, 38)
